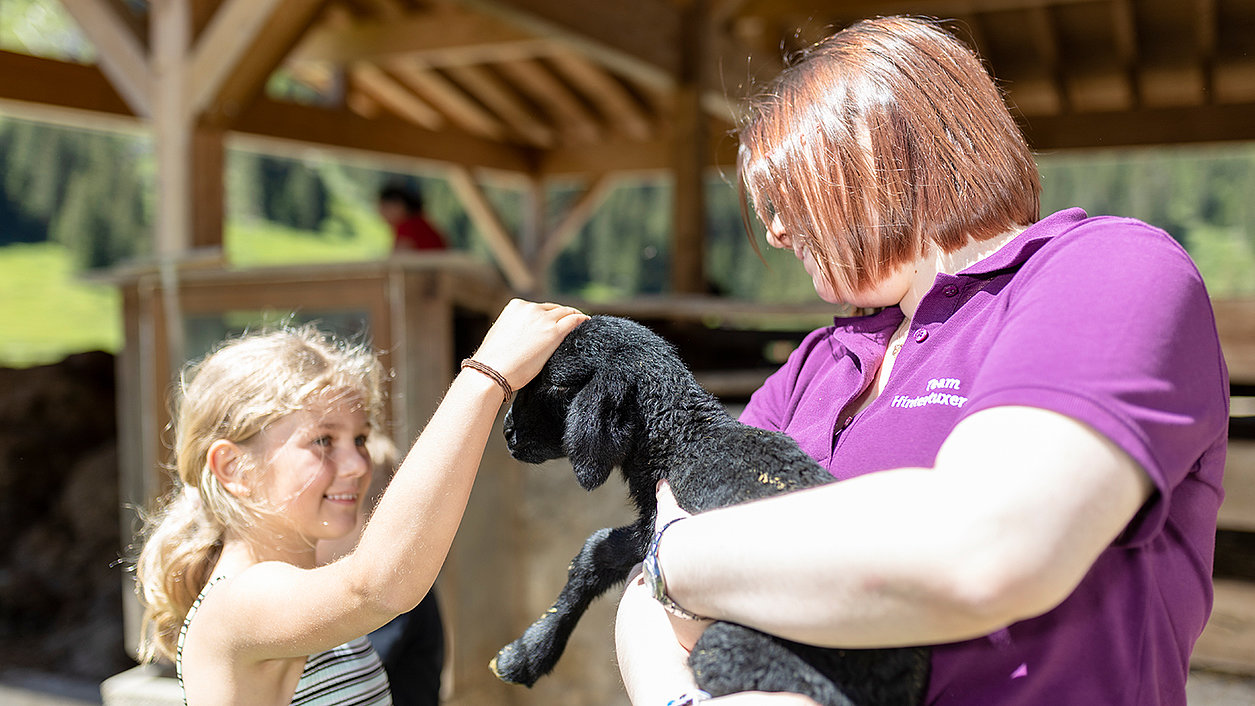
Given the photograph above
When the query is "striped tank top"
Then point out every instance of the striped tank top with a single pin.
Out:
(349, 675)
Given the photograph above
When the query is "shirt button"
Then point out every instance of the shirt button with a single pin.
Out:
(921, 335)
(950, 290)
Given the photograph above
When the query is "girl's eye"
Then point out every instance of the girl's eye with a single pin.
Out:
(322, 441)
(360, 440)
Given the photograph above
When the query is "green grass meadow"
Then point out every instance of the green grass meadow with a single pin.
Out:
(48, 310)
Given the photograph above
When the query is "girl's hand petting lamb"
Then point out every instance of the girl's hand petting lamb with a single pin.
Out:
(523, 337)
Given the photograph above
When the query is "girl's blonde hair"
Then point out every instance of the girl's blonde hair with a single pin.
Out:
(233, 394)
(883, 139)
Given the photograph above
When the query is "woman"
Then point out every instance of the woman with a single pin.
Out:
(1029, 436)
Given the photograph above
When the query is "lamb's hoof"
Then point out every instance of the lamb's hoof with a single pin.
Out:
(511, 665)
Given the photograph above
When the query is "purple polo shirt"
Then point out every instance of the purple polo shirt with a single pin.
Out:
(1104, 320)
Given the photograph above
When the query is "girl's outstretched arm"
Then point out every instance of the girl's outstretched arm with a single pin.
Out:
(275, 610)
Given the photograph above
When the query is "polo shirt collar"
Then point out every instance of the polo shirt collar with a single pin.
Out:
(1016, 252)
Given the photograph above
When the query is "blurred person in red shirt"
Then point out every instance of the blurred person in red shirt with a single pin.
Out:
(402, 208)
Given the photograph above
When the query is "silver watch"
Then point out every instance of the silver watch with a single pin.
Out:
(656, 582)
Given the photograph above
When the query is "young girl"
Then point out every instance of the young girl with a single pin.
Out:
(271, 454)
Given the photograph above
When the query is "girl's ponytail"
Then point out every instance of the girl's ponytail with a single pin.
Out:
(180, 549)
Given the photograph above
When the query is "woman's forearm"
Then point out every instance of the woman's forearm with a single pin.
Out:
(652, 663)
(1018, 507)
(818, 567)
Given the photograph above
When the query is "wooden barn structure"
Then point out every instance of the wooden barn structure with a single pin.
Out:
(541, 91)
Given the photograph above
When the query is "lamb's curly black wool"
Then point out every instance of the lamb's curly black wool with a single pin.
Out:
(615, 394)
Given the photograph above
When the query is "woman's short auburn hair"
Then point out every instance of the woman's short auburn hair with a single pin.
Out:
(882, 139)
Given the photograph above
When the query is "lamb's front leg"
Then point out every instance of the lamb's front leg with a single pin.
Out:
(606, 559)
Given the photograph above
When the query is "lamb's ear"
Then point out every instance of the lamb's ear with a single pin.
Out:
(600, 427)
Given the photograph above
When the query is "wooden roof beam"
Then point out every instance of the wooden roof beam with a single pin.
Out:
(546, 90)
(233, 29)
(394, 97)
(616, 103)
(383, 137)
(450, 99)
(122, 54)
(494, 93)
(638, 39)
(1147, 126)
(437, 39)
(62, 92)
(256, 60)
(620, 154)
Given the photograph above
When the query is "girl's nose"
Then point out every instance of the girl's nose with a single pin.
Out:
(354, 462)
(777, 237)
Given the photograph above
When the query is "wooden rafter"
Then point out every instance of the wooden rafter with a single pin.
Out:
(638, 39)
(68, 92)
(286, 24)
(395, 97)
(501, 98)
(461, 109)
(615, 102)
(1149, 126)
(362, 104)
(231, 31)
(547, 90)
(438, 39)
(122, 54)
(280, 122)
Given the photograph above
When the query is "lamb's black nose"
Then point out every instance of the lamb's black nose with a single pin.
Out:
(511, 436)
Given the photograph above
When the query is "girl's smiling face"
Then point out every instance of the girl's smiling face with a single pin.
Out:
(316, 468)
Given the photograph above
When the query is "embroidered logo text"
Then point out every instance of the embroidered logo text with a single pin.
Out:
(935, 395)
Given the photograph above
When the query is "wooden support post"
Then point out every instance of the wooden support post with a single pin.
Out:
(689, 155)
(208, 187)
(566, 229)
(171, 32)
(494, 232)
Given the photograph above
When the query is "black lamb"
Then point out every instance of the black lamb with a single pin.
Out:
(616, 394)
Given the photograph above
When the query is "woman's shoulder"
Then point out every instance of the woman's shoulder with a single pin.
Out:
(1098, 254)
(1127, 241)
